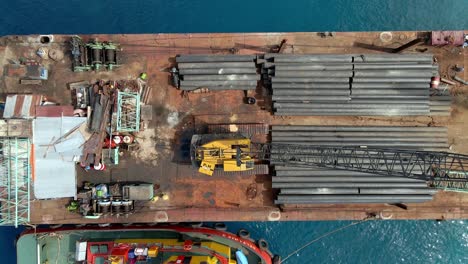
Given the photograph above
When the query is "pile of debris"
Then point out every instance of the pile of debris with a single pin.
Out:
(112, 109)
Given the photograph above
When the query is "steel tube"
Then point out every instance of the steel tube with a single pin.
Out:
(360, 128)
(310, 86)
(330, 179)
(393, 73)
(370, 134)
(308, 74)
(217, 83)
(219, 71)
(422, 85)
(348, 200)
(390, 80)
(397, 191)
(313, 67)
(309, 80)
(375, 66)
(405, 145)
(215, 88)
(300, 98)
(344, 112)
(417, 97)
(230, 77)
(323, 58)
(205, 65)
(420, 58)
(385, 92)
(343, 92)
(278, 185)
(363, 140)
(321, 191)
(215, 58)
(350, 105)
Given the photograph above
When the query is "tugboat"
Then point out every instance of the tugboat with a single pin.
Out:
(168, 244)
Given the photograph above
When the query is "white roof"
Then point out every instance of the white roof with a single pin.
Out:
(54, 168)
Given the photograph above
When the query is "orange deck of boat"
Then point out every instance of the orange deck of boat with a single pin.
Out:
(193, 197)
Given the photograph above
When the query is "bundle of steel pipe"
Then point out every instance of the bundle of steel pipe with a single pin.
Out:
(217, 72)
(314, 185)
(351, 84)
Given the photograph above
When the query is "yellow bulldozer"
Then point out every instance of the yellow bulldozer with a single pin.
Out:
(228, 152)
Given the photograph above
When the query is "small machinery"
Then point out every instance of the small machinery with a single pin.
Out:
(94, 55)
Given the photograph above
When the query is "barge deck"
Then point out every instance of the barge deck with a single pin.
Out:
(175, 116)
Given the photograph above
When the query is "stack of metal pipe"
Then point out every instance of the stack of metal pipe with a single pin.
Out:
(371, 84)
(217, 72)
(312, 185)
(304, 84)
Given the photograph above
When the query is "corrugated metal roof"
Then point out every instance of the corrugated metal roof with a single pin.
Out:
(54, 110)
(21, 106)
(55, 174)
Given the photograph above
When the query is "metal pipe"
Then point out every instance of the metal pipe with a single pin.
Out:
(309, 98)
(205, 65)
(347, 200)
(214, 58)
(343, 92)
(391, 80)
(308, 74)
(278, 185)
(219, 71)
(331, 179)
(230, 77)
(350, 105)
(387, 101)
(397, 191)
(310, 85)
(353, 197)
(309, 80)
(393, 73)
(375, 66)
(321, 191)
(312, 67)
(217, 83)
(424, 85)
(324, 172)
(359, 128)
(418, 97)
(362, 140)
(420, 58)
(358, 134)
(376, 144)
(309, 57)
(216, 88)
(344, 112)
(385, 92)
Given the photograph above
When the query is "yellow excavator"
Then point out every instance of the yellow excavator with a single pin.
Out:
(227, 151)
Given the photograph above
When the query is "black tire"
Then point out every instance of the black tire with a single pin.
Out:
(262, 244)
(243, 233)
(220, 226)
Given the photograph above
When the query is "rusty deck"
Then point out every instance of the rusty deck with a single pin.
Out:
(194, 197)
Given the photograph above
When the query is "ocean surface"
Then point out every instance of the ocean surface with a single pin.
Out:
(369, 242)
(181, 16)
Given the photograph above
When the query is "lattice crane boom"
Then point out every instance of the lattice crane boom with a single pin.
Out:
(440, 169)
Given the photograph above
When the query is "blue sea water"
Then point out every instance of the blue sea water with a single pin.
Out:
(370, 242)
(157, 16)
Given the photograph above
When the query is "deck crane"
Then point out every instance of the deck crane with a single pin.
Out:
(442, 170)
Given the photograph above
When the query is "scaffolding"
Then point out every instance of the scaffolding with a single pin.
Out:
(15, 185)
(128, 112)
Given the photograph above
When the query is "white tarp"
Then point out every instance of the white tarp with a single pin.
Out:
(54, 168)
